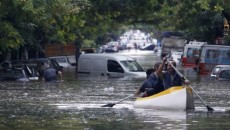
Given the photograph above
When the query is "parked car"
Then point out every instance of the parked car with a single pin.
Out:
(148, 46)
(112, 47)
(17, 71)
(216, 70)
(30, 68)
(72, 59)
(62, 61)
(224, 74)
(13, 74)
(40, 62)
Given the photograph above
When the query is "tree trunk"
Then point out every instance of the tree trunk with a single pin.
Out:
(77, 53)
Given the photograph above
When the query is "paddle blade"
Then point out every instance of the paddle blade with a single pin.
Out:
(209, 108)
(109, 105)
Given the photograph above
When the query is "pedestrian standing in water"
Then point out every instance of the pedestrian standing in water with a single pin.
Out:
(50, 74)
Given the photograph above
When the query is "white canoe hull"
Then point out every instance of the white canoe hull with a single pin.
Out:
(174, 98)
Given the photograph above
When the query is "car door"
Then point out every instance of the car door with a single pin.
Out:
(114, 69)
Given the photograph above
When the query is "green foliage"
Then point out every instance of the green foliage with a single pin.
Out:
(88, 44)
(31, 23)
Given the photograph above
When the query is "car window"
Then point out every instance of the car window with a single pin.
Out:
(114, 66)
(225, 74)
(55, 64)
(132, 66)
(60, 59)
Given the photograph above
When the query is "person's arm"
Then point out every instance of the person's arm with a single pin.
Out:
(161, 67)
(185, 81)
(60, 75)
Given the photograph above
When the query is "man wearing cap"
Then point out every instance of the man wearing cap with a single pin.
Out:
(50, 74)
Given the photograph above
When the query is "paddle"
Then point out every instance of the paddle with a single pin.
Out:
(112, 104)
(184, 78)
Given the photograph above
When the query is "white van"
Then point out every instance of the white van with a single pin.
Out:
(111, 65)
(191, 53)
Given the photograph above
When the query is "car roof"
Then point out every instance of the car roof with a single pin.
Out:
(228, 68)
(57, 56)
(222, 66)
(105, 55)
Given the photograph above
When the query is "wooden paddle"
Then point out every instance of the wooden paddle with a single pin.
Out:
(184, 78)
(112, 104)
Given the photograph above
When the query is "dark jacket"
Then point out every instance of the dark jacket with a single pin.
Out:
(152, 85)
(169, 81)
(50, 74)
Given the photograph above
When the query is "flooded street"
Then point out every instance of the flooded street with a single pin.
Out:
(77, 104)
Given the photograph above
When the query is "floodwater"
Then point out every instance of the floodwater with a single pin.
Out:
(77, 104)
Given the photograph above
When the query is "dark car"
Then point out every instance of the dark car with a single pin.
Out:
(149, 47)
(30, 69)
(53, 63)
(224, 74)
(13, 74)
(40, 62)
(216, 70)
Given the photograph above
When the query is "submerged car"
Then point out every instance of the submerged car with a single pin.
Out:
(40, 62)
(224, 74)
(28, 70)
(13, 74)
(216, 70)
(62, 61)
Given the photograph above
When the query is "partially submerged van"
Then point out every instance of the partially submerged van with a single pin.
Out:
(212, 55)
(111, 65)
(191, 53)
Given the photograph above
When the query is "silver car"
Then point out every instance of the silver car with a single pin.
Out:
(216, 70)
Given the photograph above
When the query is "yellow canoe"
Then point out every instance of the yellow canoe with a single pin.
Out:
(174, 98)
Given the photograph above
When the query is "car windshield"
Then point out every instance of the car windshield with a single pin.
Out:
(60, 59)
(216, 70)
(132, 66)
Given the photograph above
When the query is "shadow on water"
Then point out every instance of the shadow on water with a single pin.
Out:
(76, 104)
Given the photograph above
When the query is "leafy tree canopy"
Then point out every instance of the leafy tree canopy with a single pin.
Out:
(31, 23)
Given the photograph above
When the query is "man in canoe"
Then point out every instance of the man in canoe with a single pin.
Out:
(154, 82)
(160, 80)
(171, 77)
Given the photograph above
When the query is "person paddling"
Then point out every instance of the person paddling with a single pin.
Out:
(171, 77)
(154, 82)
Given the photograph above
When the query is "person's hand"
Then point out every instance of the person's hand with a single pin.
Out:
(164, 59)
(186, 82)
